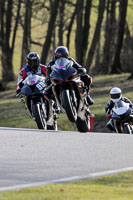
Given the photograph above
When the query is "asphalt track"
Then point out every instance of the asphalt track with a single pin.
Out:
(33, 157)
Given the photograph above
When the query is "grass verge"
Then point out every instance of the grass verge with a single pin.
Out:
(114, 187)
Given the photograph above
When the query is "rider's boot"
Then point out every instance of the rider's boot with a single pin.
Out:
(90, 101)
(110, 125)
(56, 108)
(49, 94)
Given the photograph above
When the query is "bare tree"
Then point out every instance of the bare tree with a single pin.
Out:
(110, 32)
(127, 53)
(26, 44)
(116, 67)
(86, 29)
(61, 21)
(69, 28)
(51, 24)
(7, 41)
(96, 36)
(82, 30)
(78, 37)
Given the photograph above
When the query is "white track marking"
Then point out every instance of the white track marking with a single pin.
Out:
(69, 179)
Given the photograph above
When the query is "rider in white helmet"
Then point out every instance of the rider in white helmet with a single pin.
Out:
(116, 95)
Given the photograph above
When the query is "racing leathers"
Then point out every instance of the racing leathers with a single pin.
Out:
(84, 77)
(25, 71)
(108, 112)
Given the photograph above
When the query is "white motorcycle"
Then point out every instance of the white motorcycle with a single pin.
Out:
(122, 117)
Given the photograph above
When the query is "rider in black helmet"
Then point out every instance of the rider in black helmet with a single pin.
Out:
(62, 51)
(33, 61)
(33, 66)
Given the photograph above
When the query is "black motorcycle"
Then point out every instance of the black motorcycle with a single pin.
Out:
(70, 93)
(122, 117)
(39, 108)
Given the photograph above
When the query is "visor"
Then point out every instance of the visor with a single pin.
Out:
(33, 64)
(115, 96)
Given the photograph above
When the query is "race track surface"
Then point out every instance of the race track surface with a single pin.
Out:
(34, 157)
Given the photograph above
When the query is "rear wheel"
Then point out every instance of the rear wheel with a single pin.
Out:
(38, 114)
(127, 128)
(69, 106)
(83, 125)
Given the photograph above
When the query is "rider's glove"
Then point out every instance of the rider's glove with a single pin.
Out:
(81, 70)
(18, 92)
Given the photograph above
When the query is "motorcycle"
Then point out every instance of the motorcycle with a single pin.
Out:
(40, 109)
(70, 93)
(122, 117)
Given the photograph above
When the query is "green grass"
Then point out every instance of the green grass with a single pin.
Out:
(114, 187)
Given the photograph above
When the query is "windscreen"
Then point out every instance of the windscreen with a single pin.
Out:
(63, 63)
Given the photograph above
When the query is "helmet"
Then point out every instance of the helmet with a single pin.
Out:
(61, 51)
(33, 61)
(115, 94)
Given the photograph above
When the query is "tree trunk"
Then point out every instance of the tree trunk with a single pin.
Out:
(96, 36)
(16, 25)
(61, 22)
(26, 44)
(6, 14)
(7, 54)
(2, 10)
(70, 27)
(7, 67)
(86, 28)
(78, 39)
(116, 67)
(109, 36)
(52, 20)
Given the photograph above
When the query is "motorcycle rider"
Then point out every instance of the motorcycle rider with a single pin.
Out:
(62, 51)
(116, 95)
(33, 66)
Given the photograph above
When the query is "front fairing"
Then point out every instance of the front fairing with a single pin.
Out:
(30, 90)
(121, 111)
(33, 85)
(63, 70)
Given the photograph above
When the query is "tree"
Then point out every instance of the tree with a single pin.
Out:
(61, 21)
(51, 24)
(110, 32)
(26, 32)
(7, 42)
(96, 36)
(116, 67)
(82, 30)
(69, 28)
(78, 37)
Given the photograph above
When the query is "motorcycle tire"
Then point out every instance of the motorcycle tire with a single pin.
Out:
(83, 125)
(40, 121)
(68, 105)
(127, 129)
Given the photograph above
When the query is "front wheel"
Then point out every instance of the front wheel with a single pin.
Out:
(127, 129)
(38, 114)
(68, 104)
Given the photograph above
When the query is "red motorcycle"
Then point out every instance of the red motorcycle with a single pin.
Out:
(70, 94)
